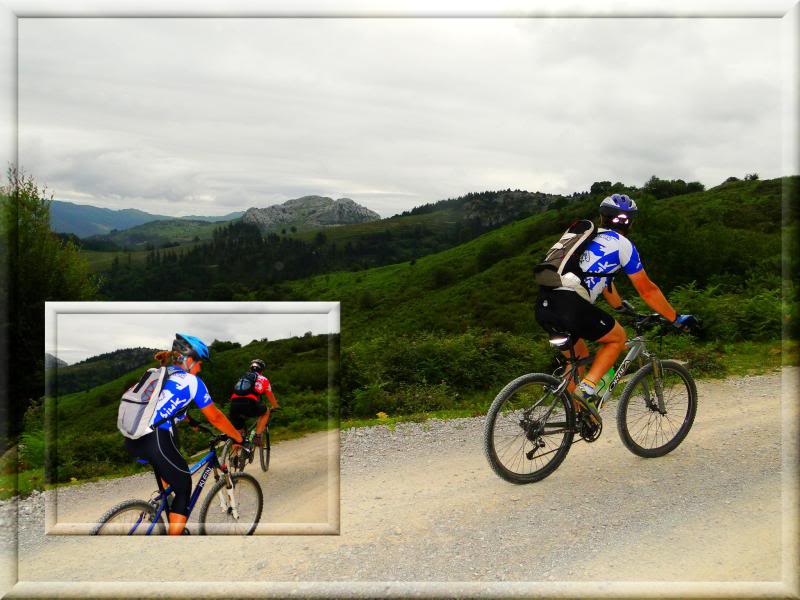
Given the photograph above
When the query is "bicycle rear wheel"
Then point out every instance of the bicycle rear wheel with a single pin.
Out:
(264, 451)
(644, 430)
(236, 461)
(132, 517)
(232, 512)
(528, 430)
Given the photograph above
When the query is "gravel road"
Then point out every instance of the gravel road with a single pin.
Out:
(420, 504)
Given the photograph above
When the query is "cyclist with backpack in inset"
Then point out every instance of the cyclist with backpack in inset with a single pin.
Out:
(160, 399)
(576, 270)
(246, 399)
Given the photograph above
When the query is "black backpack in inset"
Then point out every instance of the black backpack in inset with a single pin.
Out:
(246, 384)
(560, 267)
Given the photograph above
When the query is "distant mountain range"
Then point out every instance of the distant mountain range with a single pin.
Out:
(103, 223)
(309, 211)
(51, 362)
(102, 368)
(84, 220)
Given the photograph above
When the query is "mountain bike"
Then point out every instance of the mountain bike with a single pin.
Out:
(532, 422)
(232, 506)
(238, 462)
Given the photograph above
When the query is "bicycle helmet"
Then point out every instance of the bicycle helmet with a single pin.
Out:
(257, 365)
(189, 345)
(618, 210)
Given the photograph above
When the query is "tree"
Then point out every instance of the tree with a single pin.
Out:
(751, 177)
(665, 188)
(40, 267)
(221, 346)
(600, 187)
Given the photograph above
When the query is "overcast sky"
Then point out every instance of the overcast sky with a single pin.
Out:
(205, 116)
(81, 336)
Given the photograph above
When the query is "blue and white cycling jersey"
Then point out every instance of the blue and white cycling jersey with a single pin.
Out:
(608, 252)
(180, 389)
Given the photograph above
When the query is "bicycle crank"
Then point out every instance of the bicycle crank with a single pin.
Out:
(589, 430)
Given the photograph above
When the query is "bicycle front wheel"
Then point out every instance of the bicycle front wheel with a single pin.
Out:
(264, 451)
(528, 430)
(235, 511)
(132, 517)
(645, 428)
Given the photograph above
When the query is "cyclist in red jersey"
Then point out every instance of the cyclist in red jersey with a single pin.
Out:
(247, 403)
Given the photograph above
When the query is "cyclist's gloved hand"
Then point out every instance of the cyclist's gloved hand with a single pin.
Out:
(246, 447)
(685, 322)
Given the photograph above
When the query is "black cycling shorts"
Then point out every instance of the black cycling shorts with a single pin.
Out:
(241, 408)
(564, 311)
(159, 449)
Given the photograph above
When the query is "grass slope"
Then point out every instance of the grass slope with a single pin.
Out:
(712, 238)
(159, 233)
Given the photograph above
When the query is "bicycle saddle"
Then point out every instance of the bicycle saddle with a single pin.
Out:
(562, 341)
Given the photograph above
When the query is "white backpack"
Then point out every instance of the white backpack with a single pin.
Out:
(561, 266)
(138, 404)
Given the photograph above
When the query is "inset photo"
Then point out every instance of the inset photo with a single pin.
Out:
(190, 418)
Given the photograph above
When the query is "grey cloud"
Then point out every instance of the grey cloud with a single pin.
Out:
(81, 336)
(211, 116)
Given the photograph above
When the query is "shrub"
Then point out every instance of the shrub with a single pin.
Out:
(390, 373)
(32, 449)
(367, 300)
(491, 252)
(732, 317)
(443, 276)
(415, 397)
(372, 399)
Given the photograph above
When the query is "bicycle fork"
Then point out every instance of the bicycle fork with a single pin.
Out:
(658, 385)
(232, 504)
(227, 502)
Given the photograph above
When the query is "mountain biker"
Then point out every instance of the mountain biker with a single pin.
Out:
(563, 310)
(159, 448)
(248, 404)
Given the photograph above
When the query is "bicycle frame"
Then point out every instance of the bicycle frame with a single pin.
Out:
(211, 463)
(637, 350)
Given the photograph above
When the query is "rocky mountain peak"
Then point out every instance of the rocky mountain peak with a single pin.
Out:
(309, 211)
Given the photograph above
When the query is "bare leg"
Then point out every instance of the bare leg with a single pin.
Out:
(612, 345)
(176, 523)
(581, 351)
(262, 422)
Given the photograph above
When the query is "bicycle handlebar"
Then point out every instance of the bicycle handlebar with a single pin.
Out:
(644, 322)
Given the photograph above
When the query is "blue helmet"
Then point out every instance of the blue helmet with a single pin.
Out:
(188, 345)
(619, 209)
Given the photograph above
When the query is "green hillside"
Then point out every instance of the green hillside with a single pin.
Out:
(419, 333)
(158, 234)
(87, 441)
(728, 237)
(99, 369)
(103, 260)
(240, 258)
